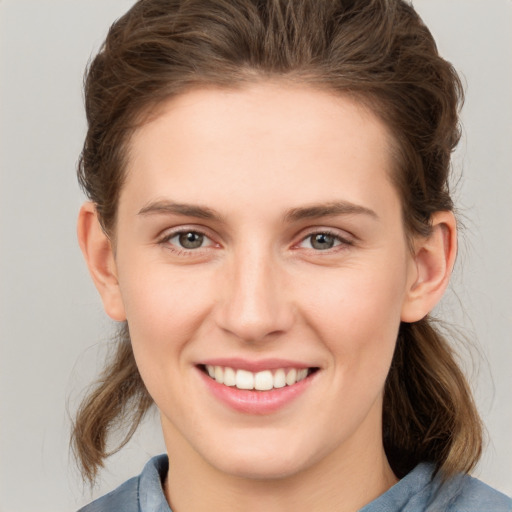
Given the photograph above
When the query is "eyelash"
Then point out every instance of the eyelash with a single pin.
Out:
(183, 251)
(340, 245)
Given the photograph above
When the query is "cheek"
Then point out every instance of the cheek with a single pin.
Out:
(356, 313)
(165, 312)
(356, 298)
(165, 309)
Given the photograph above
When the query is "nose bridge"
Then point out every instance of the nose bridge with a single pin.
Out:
(254, 303)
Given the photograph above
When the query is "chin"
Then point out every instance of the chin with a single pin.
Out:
(262, 461)
(261, 468)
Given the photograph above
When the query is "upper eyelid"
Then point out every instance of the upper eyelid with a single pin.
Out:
(192, 228)
(336, 232)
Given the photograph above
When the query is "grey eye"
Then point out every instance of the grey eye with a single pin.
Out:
(322, 241)
(191, 240)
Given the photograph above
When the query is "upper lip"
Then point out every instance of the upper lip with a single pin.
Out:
(255, 365)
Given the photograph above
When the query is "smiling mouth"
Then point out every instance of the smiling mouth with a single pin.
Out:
(265, 380)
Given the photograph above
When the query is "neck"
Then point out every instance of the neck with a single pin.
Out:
(346, 480)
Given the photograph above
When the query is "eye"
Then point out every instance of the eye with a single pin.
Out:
(323, 241)
(188, 240)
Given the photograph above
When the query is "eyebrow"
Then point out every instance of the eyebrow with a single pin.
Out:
(314, 211)
(170, 207)
(328, 210)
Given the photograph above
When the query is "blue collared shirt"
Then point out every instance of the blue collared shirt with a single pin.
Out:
(416, 492)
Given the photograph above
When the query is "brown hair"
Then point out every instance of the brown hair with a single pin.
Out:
(377, 51)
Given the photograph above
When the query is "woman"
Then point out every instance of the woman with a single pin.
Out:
(270, 220)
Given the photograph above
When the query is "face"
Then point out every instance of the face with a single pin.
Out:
(263, 270)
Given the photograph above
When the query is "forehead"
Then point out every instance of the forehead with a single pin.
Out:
(293, 143)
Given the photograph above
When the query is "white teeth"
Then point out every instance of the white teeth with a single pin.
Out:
(291, 377)
(302, 374)
(229, 377)
(279, 379)
(219, 374)
(261, 381)
(244, 379)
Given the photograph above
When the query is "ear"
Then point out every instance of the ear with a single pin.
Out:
(432, 265)
(99, 255)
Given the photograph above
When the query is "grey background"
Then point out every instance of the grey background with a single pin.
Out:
(53, 332)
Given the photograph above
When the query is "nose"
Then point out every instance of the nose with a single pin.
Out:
(254, 304)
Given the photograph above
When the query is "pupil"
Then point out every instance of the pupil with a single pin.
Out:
(191, 240)
(322, 241)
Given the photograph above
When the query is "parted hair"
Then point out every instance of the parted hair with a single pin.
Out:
(378, 52)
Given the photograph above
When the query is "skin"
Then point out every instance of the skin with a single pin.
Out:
(258, 159)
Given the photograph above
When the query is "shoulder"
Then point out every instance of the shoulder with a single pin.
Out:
(420, 491)
(125, 498)
(462, 493)
(135, 494)
(475, 496)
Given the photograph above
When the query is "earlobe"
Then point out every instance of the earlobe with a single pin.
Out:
(433, 260)
(99, 256)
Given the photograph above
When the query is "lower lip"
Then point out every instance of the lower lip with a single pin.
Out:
(256, 402)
